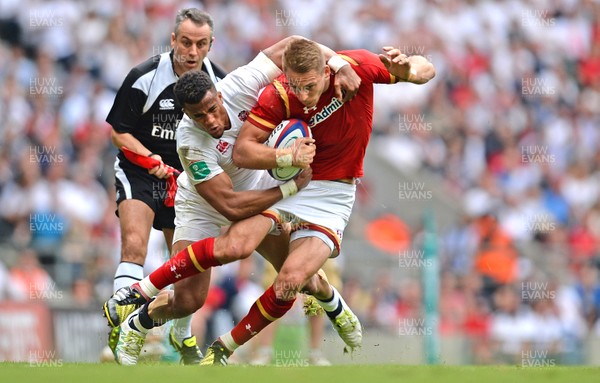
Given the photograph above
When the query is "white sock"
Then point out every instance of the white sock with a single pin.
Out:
(127, 274)
(148, 288)
(228, 342)
(333, 304)
(182, 328)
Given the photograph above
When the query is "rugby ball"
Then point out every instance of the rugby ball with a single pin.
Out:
(283, 136)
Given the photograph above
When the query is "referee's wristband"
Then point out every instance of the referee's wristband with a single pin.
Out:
(336, 63)
(288, 189)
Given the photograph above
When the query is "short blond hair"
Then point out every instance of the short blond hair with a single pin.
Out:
(302, 56)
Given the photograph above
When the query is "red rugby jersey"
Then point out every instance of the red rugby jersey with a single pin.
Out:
(341, 130)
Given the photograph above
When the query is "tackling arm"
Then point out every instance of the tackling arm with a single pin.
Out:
(275, 52)
(347, 79)
(235, 206)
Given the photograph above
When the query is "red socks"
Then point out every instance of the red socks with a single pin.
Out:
(264, 311)
(195, 259)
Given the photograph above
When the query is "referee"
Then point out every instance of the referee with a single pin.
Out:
(144, 117)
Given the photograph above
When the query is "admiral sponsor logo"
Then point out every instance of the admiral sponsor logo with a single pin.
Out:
(166, 104)
(327, 111)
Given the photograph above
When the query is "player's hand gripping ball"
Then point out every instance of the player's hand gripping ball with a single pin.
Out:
(283, 136)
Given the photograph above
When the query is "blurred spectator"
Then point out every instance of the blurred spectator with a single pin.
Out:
(580, 188)
(50, 220)
(19, 198)
(409, 305)
(512, 326)
(31, 279)
(384, 311)
(584, 238)
(588, 291)
(574, 326)
(477, 319)
(452, 310)
(496, 259)
(82, 293)
(358, 297)
(8, 291)
(549, 329)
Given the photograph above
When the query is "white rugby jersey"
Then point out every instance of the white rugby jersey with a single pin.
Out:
(202, 156)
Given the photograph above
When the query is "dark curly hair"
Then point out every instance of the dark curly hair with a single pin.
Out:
(192, 86)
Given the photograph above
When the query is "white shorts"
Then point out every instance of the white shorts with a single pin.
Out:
(322, 209)
(196, 219)
(193, 221)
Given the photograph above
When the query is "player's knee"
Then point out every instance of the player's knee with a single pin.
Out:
(288, 283)
(187, 304)
(232, 250)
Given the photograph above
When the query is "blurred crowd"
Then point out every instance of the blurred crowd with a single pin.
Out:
(510, 125)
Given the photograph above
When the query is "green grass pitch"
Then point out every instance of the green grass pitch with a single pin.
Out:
(102, 373)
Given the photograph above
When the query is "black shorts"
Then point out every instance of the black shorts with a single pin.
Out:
(134, 182)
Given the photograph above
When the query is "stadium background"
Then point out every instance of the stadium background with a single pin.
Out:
(501, 150)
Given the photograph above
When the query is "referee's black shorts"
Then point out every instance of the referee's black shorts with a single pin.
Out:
(134, 182)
